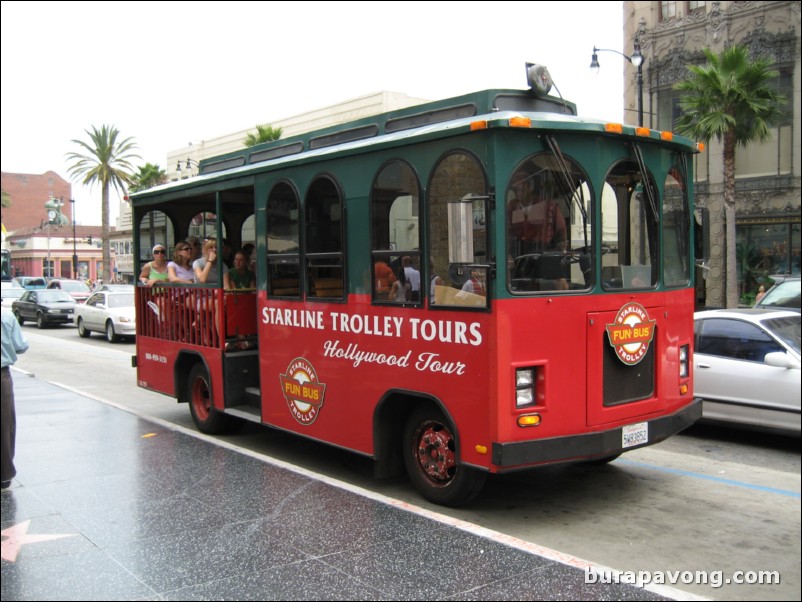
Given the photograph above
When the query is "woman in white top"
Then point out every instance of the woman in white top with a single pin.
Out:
(180, 268)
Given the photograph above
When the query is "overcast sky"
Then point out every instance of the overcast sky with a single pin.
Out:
(170, 73)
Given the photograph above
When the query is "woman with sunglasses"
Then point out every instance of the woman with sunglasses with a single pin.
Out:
(180, 268)
(154, 272)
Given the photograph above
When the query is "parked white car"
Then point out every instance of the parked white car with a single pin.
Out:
(111, 313)
(747, 367)
(11, 291)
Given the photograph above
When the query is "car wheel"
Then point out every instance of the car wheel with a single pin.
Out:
(19, 317)
(111, 336)
(40, 320)
(82, 330)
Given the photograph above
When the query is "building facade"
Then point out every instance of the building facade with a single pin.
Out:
(28, 193)
(672, 35)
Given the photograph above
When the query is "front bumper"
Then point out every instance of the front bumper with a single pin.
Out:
(591, 445)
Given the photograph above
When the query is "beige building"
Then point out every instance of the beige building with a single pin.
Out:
(672, 36)
(372, 104)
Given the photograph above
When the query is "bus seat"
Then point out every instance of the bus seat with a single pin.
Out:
(328, 287)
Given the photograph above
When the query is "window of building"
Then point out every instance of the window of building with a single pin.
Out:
(395, 234)
(696, 7)
(668, 10)
(283, 242)
(773, 156)
(765, 247)
(324, 239)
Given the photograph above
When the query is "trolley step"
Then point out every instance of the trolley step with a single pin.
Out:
(246, 412)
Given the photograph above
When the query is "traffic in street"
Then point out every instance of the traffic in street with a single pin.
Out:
(710, 501)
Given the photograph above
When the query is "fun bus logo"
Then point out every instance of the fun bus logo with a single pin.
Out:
(631, 333)
(302, 390)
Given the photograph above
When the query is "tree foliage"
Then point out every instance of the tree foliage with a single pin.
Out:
(264, 133)
(149, 175)
(104, 160)
(733, 98)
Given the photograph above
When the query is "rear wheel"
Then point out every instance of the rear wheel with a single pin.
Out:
(430, 456)
(111, 336)
(206, 418)
(82, 331)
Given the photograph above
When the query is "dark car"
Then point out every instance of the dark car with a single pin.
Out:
(44, 307)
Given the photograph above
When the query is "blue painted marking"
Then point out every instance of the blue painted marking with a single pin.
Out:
(697, 475)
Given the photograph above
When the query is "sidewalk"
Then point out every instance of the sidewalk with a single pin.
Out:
(109, 506)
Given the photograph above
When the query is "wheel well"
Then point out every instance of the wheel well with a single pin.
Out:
(184, 364)
(389, 419)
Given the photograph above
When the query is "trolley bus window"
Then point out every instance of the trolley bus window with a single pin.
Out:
(395, 235)
(154, 228)
(457, 177)
(548, 234)
(630, 231)
(324, 239)
(283, 247)
(676, 231)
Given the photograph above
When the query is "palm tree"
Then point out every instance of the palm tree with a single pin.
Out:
(264, 133)
(149, 175)
(733, 98)
(106, 161)
(6, 199)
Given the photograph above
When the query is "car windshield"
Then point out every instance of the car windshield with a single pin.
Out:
(785, 294)
(786, 329)
(121, 300)
(54, 296)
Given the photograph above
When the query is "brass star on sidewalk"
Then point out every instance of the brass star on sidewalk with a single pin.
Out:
(17, 536)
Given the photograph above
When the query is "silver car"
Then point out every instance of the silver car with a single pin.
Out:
(747, 367)
(111, 313)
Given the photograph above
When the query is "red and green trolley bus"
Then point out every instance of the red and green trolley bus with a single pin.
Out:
(477, 285)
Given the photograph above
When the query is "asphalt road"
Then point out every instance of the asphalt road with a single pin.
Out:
(708, 505)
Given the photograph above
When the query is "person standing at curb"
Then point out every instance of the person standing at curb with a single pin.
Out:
(13, 342)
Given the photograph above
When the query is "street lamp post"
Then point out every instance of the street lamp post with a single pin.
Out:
(53, 207)
(636, 59)
(74, 253)
(190, 164)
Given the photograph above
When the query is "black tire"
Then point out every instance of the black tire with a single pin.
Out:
(19, 317)
(206, 418)
(111, 336)
(430, 457)
(82, 331)
(40, 320)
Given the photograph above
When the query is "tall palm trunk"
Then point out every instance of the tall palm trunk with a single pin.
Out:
(105, 273)
(731, 266)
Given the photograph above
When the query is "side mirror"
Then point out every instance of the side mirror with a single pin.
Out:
(779, 359)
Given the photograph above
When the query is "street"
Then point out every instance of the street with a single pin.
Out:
(716, 500)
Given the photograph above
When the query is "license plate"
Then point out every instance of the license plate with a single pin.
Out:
(635, 434)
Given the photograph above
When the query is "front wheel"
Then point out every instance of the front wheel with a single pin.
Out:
(82, 330)
(111, 336)
(19, 317)
(206, 418)
(430, 456)
(40, 320)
